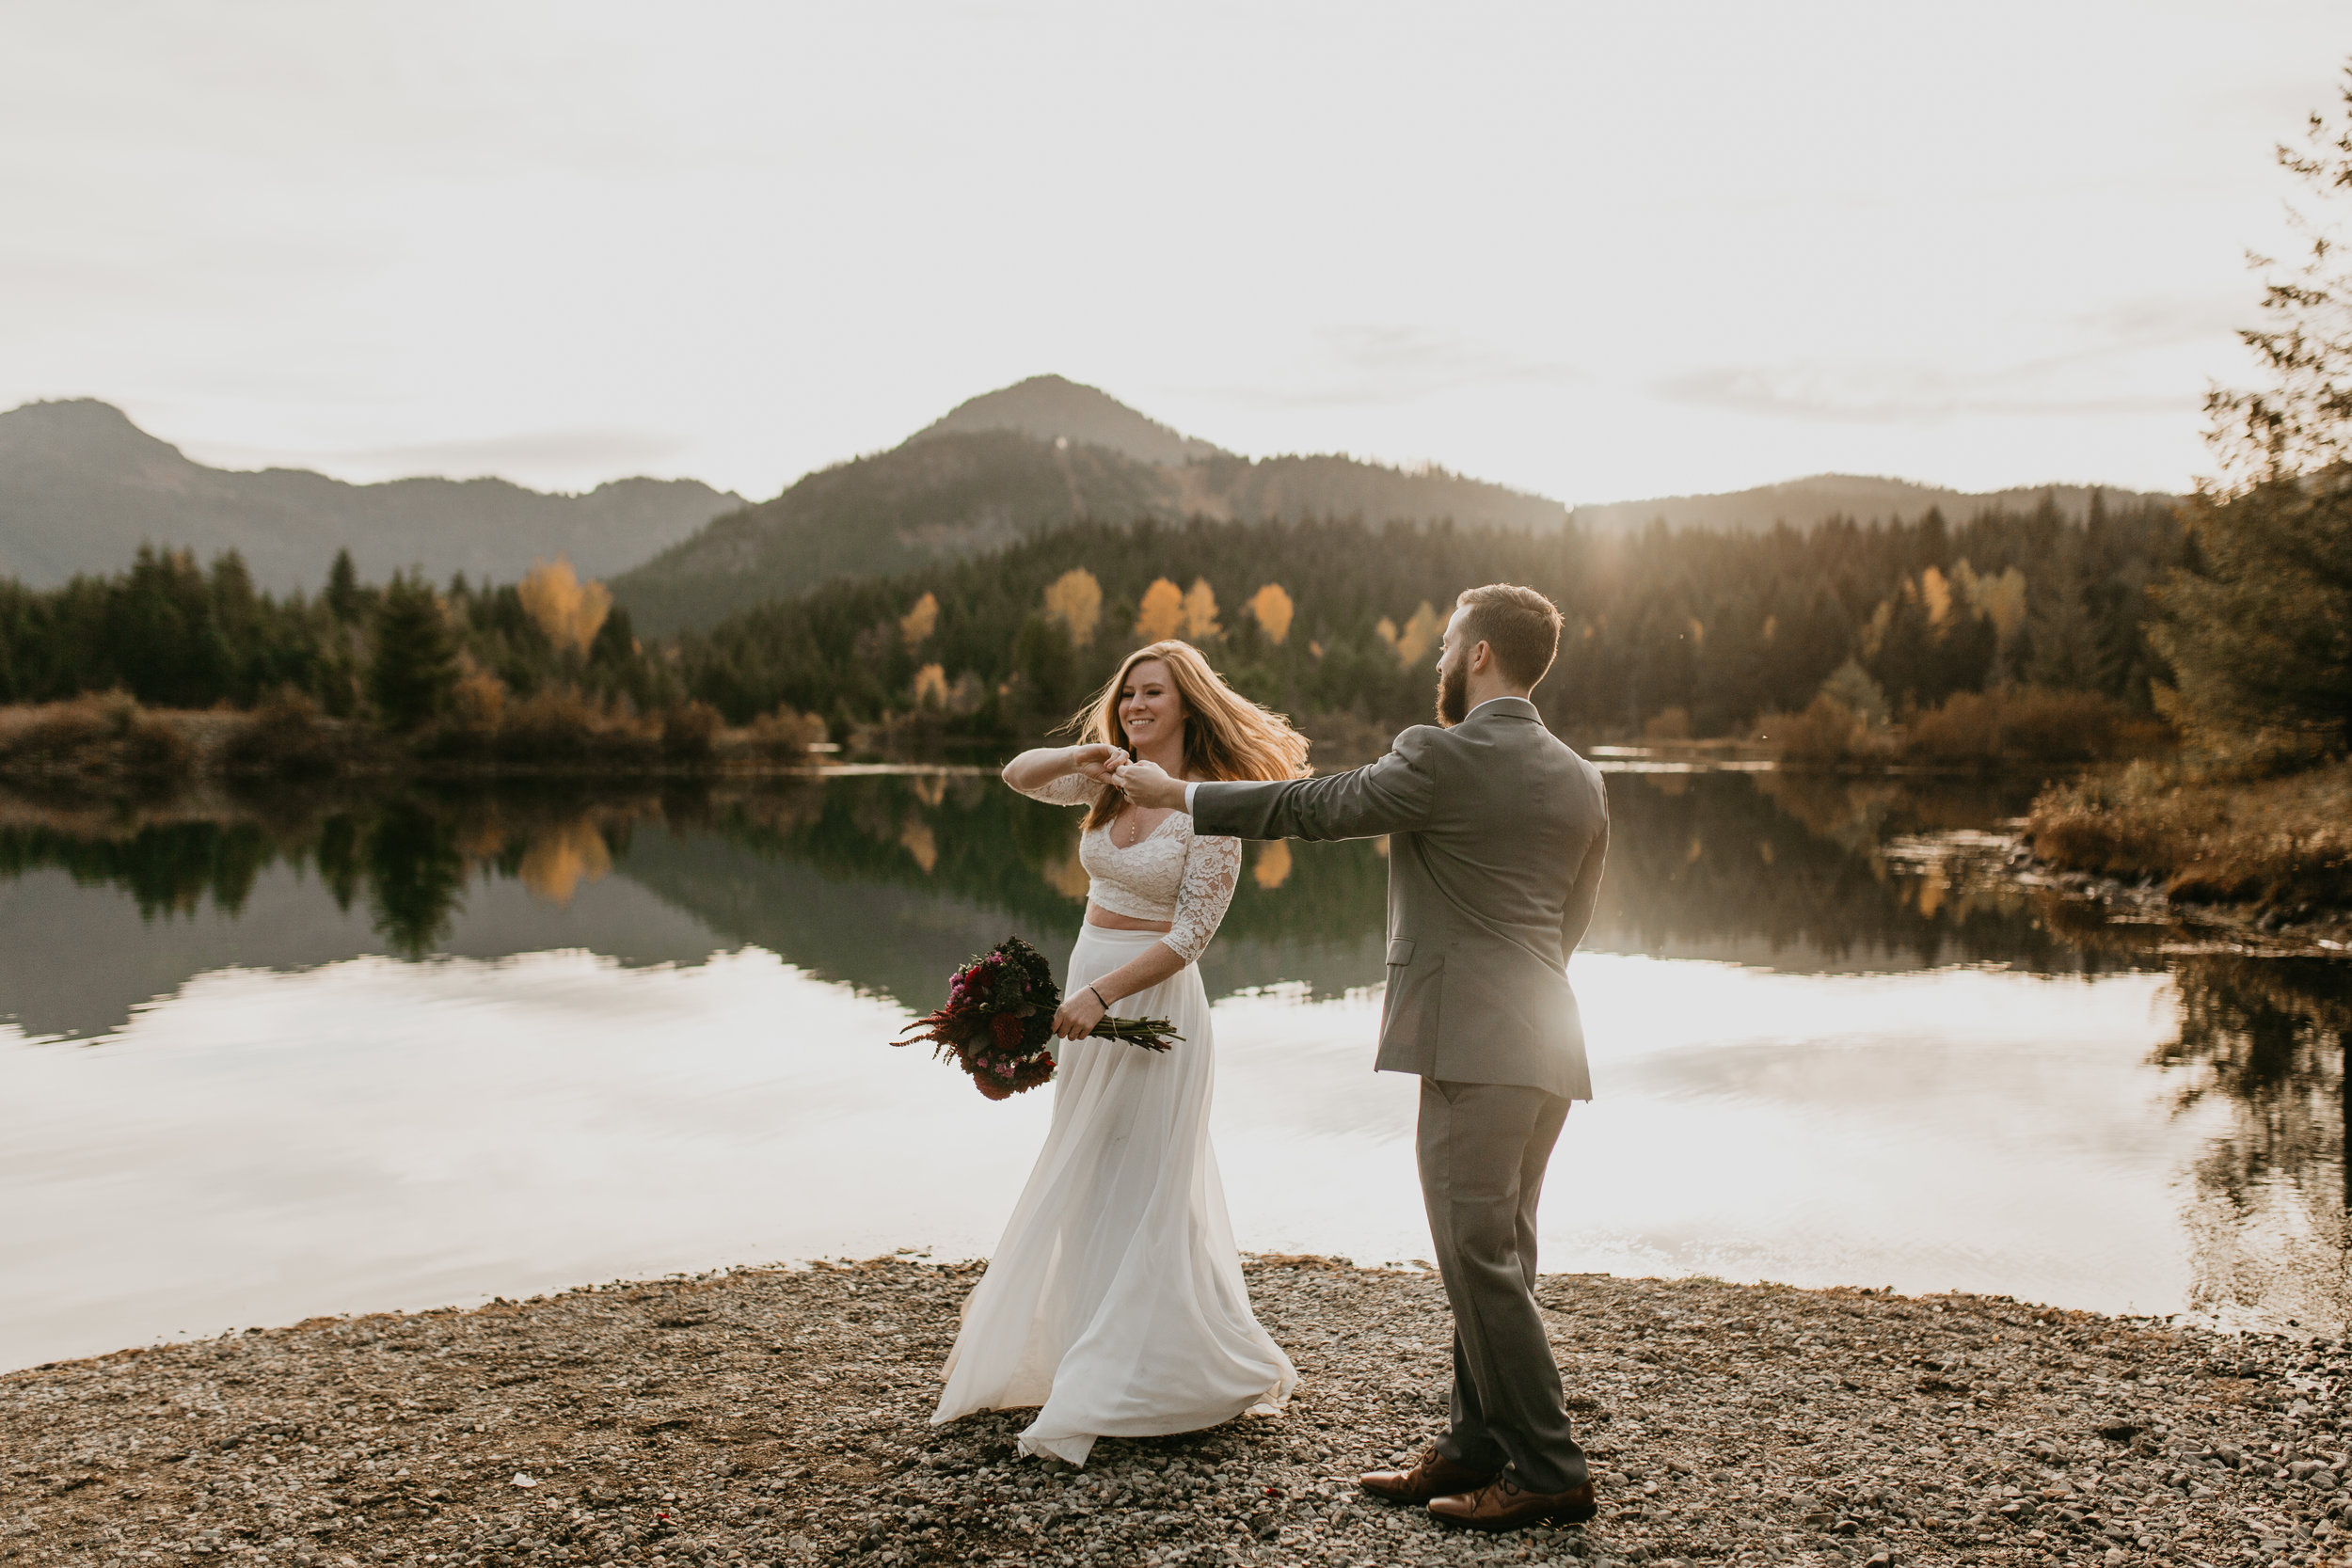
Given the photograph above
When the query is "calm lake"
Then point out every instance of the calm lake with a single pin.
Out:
(268, 1058)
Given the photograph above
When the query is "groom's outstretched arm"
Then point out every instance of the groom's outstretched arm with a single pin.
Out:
(1390, 796)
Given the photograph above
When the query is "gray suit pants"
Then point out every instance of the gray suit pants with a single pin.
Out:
(1482, 1149)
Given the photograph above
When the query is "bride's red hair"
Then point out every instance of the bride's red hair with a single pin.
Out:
(1226, 735)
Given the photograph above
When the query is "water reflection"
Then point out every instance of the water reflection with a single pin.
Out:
(887, 882)
(1798, 871)
(2264, 1038)
(1924, 1074)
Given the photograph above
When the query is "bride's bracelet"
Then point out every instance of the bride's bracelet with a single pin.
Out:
(1097, 998)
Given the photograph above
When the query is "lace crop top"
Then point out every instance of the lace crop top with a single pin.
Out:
(1167, 875)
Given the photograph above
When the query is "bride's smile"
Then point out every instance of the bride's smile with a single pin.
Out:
(1152, 714)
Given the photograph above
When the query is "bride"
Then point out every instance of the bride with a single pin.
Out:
(1115, 1300)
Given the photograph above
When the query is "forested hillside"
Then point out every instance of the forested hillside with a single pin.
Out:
(1342, 618)
(941, 497)
(1037, 456)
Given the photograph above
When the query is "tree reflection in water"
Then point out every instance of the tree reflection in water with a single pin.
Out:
(1789, 871)
(415, 875)
(409, 855)
(2264, 1038)
(874, 879)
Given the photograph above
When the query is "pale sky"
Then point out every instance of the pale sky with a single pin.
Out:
(1595, 250)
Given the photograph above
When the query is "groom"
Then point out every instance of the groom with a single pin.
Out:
(1497, 831)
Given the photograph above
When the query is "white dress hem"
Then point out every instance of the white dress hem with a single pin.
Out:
(1115, 1304)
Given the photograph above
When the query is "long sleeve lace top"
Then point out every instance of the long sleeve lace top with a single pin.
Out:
(1170, 874)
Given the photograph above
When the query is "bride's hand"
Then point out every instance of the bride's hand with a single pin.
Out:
(1148, 785)
(1097, 761)
(1075, 1018)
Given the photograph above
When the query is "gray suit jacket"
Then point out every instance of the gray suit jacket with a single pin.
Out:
(1497, 831)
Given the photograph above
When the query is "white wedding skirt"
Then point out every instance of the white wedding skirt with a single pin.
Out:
(1115, 1300)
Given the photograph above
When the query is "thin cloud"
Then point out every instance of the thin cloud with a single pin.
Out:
(1885, 394)
(1381, 364)
(609, 451)
(2095, 378)
(2157, 323)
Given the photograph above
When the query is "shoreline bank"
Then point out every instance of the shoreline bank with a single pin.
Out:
(780, 1415)
(2267, 855)
(2126, 903)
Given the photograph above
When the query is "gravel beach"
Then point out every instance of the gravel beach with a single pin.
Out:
(780, 1415)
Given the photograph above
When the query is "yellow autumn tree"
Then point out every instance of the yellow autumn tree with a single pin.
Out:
(2001, 600)
(1162, 612)
(1935, 592)
(1271, 607)
(917, 625)
(1419, 635)
(570, 612)
(1075, 599)
(931, 687)
(1201, 610)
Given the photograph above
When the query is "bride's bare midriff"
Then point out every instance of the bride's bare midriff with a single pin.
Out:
(1098, 915)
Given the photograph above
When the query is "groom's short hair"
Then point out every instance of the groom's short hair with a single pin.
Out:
(1518, 623)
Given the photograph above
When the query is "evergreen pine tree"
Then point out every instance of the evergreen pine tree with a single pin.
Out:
(2259, 628)
(415, 666)
(342, 588)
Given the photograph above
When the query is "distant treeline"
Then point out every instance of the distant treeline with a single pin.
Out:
(1675, 632)
(1694, 630)
(174, 634)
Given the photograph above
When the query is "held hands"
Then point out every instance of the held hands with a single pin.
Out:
(1077, 1015)
(1098, 762)
(1148, 786)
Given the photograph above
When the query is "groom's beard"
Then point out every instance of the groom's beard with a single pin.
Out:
(1453, 695)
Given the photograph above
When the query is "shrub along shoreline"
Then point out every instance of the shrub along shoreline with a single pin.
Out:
(113, 742)
(1968, 732)
(2275, 852)
(112, 739)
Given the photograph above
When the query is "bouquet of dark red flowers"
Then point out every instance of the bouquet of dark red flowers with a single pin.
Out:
(999, 1020)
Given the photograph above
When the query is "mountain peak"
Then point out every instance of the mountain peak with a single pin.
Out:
(80, 430)
(1053, 407)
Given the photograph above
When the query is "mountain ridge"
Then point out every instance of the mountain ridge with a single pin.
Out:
(81, 486)
(1041, 453)
(1047, 451)
(1865, 498)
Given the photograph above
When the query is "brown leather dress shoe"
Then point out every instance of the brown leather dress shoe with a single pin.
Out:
(1433, 1475)
(1503, 1504)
